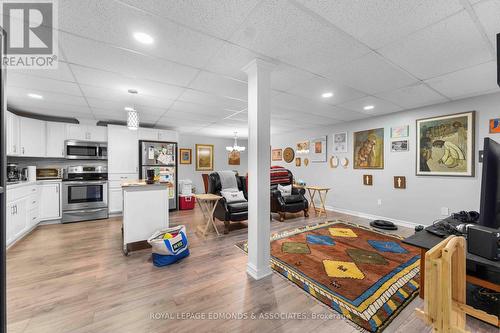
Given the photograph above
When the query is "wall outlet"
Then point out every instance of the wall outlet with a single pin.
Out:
(379, 202)
(445, 211)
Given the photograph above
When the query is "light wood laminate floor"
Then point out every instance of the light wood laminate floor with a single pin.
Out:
(74, 278)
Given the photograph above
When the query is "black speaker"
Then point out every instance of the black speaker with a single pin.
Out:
(498, 59)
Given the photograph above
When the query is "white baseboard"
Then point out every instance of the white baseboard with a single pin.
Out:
(372, 217)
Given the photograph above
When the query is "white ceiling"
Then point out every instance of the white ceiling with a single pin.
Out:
(392, 54)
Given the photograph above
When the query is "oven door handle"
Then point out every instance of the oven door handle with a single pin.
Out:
(88, 182)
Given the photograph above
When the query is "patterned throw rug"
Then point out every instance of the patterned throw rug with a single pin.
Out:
(365, 275)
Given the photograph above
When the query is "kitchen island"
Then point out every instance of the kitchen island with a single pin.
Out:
(145, 210)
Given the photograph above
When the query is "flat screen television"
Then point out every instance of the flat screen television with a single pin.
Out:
(490, 185)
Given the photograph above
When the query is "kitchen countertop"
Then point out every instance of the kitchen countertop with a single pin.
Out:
(141, 183)
(31, 183)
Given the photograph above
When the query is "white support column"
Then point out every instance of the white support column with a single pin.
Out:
(259, 143)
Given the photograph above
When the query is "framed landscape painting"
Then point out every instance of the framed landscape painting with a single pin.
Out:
(445, 145)
(369, 149)
(204, 157)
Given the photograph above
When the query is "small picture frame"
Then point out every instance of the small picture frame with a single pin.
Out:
(204, 157)
(297, 161)
(402, 131)
(399, 146)
(277, 154)
(185, 156)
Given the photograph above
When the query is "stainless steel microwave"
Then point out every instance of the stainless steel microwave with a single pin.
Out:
(85, 150)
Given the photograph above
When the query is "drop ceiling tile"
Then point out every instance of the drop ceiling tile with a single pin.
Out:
(62, 72)
(374, 22)
(220, 85)
(85, 52)
(285, 77)
(21, 94)
(380, 106)
(230, 59)
(118, 106)
(42, 84)
(168, 120)
(371, 74)
(447, 46)
(215, 17)
(115, 23)
(280, 30)
(488, 13)
(238, 116)
(113, 81)
(413, 96)
(224, 130)
(467, 82)
(209, 99)
(195, 110)
(314, 87)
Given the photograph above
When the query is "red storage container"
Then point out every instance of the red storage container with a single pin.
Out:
(186, 202)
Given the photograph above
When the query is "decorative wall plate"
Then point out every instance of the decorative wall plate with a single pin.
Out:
(288, 155)
(306, 161)
(345, 162)
(334, 162)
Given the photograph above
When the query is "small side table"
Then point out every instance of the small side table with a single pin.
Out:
(322, 192)
(207, 203)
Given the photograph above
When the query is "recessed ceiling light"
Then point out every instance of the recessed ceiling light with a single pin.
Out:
(35, 96)
(143, 38)
(129, 108)
(327, 95)
(368, 107)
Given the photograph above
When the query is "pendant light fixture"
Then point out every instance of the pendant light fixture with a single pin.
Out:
(235, 146)
(132, 115)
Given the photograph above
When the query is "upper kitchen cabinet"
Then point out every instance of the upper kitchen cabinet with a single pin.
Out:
(152, 134)
(166, 135)
(86, 132)
(123, 150)
(32, 137)
(56, 134)
(12, 129)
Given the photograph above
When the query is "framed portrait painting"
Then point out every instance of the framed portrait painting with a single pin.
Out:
(369, 149)
(318, 151)
(445, 145)
(185, 156)
(204, 157)
(234, 158)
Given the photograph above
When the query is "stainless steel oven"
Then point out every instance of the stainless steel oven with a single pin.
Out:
(85, 194)
(85, 150)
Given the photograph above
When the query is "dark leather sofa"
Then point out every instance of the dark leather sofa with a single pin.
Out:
(228, 212)
(293, 203)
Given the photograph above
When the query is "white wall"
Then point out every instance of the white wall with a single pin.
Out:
(188, 171)
(424, 197)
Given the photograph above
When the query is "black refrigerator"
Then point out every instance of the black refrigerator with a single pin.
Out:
(160, 156)
(3, 163)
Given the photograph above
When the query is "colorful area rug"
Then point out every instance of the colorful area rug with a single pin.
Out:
(365, 275)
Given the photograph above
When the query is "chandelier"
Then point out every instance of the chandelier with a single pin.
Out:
(235, 146)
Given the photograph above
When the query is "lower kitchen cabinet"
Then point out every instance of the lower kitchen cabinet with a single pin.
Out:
(115, 200)
(50, 201)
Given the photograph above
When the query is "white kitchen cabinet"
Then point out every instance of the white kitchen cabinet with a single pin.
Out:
(123, 150)
(18, 217)
(148, 134)
(12, 134)
(50, 201)
(166, 135)
(56, 134)
(115, 200)
(32, 136)
(86, 132)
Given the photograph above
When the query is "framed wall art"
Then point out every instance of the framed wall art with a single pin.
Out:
(204, 157)
(445, 145)
(297, 161)
(185, 156)
(369, 149)
(233, 158)
(277, 155)
(495, 125)
(318, 149)
(399, 146)
(400, 131)
(302, 147)
(288, 155)
(339, 142)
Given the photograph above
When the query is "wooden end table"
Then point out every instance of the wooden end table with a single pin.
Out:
(207, 203)
(322, 193)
